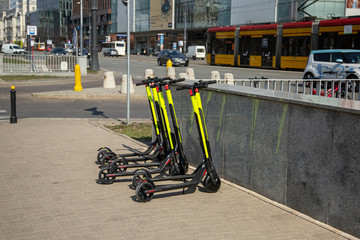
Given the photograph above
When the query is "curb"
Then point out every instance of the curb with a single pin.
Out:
(85, 96)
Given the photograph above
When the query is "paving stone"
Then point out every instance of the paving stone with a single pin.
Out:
(55, 195)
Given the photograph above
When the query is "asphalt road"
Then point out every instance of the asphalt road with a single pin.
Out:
(28, 107)
(202, 70)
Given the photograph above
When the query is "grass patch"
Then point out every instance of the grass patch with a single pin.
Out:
(93, 71)
(25, 77)
(139, 131)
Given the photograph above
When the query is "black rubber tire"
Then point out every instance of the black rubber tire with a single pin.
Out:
(159, 62)
(353, 77)
(100, 155)
(210, 185)
(116, 165)
(141, 196)
(139, 175)
(309, 75)
(105, 179)
(107, 157)
(185, 164)
(176, 169)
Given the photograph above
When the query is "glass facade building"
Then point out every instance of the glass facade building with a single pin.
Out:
(202, 13)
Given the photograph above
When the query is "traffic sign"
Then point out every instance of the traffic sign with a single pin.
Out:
(31, 30)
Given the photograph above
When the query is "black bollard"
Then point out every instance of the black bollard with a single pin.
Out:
(13, 118)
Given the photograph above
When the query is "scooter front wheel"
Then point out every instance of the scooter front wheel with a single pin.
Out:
(100, 155)
(119, 165)
(212, 185)
(141, 189)
(140, 175)
(107, 157)
(103, 175)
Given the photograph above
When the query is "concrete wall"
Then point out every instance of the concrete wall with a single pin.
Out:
(301, 151)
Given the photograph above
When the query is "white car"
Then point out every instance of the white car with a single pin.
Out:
(333, 64)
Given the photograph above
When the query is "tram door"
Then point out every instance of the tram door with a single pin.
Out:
(268, 50)
(244, 50)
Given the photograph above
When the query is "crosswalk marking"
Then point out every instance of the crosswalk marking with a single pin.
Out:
(3, 111)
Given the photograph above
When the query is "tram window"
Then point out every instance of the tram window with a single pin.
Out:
(350, 41)
(255, 47)
(327, 41)
(225, 46)
(244, 48)
(296, 46)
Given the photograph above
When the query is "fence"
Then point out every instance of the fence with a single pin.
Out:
(25, 63)
(334, 88)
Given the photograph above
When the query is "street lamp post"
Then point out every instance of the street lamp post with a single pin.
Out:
(94, 55)
(28, 41)
(81, 27)
(185, 20)
(127, 3)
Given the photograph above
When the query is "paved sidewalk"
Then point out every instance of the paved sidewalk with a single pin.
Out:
(48, 190)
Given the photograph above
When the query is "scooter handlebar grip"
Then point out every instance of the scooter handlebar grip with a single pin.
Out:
(211, 82)
(182, 87)
(178, 80)
(140, 83)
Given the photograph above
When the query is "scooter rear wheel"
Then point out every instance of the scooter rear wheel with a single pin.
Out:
(141, 195)
(210, 185)
(140, 175)
(103, 178)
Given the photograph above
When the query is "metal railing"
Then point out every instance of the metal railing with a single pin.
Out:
(333, 88)
(38, 63)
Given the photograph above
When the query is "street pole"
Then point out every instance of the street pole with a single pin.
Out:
(28, 47)
(185, 20)
(94, 49)
(81, 27)
(128, 63)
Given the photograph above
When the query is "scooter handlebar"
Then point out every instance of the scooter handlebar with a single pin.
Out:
(211, 82)
(199, 84)
(177, 80)
(183, 87)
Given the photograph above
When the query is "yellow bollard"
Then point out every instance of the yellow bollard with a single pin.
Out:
(168, 64)
(78, 86)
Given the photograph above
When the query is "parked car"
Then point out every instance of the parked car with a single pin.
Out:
(111, 52)
(333, 64)
(49, 48)
(69, 50)
(58, 51)
(85, 52)
(12, 48)
(196, 52)
(176, 57)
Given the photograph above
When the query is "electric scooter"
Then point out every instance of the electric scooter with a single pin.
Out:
(163, 144)
(118, 168)
(179, 146)
(205, 173)
(119, 163)
(106, 153)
